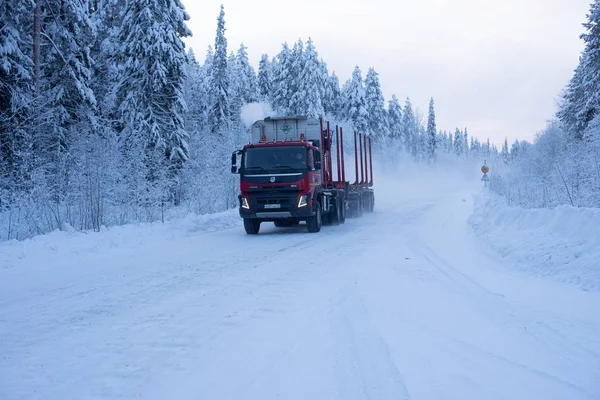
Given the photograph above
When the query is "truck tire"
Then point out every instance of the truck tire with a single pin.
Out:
(251, 225)
(314, 223)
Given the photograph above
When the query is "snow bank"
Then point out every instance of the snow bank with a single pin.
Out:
(561, 243)
(73, 242)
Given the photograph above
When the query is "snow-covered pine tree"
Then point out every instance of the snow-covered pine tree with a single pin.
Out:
(515, 150)
(458, 143)
(504, 152)
(219, 113)
(572, 102)
(265, 79)
(375, 104)
(355, 102)
(333, 100)
(65, 110)
(248, 84)
(306, 99)
(151, 64)
(394, 119)
(431, 132)
(590, 81)
(16, 90)
(298, 59)
(324, 88)
(236, 97)
(195, 95)
(283, 81)
(410, 129)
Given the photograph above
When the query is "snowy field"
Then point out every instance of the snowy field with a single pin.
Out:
(442, 293)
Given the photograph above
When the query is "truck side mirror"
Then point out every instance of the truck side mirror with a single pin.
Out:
(317, 159)
(234, 169)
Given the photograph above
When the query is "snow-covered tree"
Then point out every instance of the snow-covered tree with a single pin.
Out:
(394, 118)
(16, 85)
(219, 113)
(375, 104)
(355, 106)
(298, 60)
(504, 152)
(410, 129)
(459, 143)
(283, 81)
(265, 79)
(248, 85)
(332, 102)
(431, 132)
(306, 99)
(151, 64)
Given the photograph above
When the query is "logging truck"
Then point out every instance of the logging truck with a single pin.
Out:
(287, 175)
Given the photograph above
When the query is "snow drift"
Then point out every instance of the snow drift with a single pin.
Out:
(561, 243)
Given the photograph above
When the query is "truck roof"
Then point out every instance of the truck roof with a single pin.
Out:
(287, 128)
(282, 143)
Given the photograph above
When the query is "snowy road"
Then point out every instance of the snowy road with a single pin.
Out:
(401, 304)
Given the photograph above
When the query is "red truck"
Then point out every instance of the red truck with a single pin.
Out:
(286, 175)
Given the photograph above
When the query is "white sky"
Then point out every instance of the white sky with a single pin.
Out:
(493, 66)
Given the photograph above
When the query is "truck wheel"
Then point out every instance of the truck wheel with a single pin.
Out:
(251, 225)
(314, 223)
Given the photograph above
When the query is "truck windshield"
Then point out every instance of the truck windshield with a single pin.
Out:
(275, 158)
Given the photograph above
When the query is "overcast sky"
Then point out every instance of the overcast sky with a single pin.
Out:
(495, 67)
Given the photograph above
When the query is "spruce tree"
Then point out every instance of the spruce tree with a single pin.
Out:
(16, 89)
(410, 129)
(265, 79)
(219, 113)
(394, 119)
(283, 81)
(248, 84)
(591, 65)
(151, 64)
(431, 132)
(458, 143)
(375, 104)
(504, 152)
(333, 100)
(298, 60)
(65, 110)
(307, 97)
(355, 103)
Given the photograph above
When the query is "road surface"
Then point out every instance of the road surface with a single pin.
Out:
(404, 303)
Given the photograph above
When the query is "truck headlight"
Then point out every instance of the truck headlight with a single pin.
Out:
(245, 203)
(303, 200)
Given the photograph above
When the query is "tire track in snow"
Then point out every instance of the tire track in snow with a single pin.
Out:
(364, 367)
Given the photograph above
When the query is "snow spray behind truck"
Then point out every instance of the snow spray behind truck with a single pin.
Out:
(286, 175)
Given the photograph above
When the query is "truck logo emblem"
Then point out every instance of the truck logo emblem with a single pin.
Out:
(286, 128)
(272, 179)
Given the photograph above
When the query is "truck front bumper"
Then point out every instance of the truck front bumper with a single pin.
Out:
(269, 207)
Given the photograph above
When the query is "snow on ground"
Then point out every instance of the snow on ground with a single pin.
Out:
(563, 243)
(407, 302)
